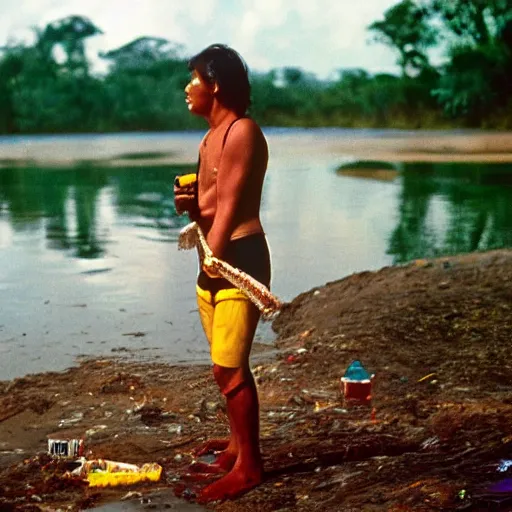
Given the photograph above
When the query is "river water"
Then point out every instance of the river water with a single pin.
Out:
(89, 264)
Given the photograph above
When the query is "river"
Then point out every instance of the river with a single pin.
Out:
(89, 264)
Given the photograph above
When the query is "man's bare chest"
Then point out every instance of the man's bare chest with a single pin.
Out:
(210, 157)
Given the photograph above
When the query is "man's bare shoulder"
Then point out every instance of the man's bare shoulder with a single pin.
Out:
(245, 130)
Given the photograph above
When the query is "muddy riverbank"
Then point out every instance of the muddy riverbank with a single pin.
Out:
(437, 336)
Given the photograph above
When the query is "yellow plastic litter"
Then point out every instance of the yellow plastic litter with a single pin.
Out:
(105, 473)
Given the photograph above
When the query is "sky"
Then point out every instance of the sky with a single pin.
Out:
(319, 36)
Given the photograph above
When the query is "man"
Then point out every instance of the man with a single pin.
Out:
(225, 203)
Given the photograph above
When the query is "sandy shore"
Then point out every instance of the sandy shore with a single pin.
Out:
(432, 147)
(177, 148)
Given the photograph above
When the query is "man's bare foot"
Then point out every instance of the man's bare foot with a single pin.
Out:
(236, 482)
(213, 445)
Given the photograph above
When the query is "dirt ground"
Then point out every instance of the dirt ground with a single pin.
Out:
(436, 436)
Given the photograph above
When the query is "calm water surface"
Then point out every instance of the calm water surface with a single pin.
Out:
(89, 262)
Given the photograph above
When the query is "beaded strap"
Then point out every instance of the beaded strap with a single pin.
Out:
(192, 237)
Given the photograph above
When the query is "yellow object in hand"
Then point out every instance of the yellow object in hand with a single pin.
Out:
(186, 179)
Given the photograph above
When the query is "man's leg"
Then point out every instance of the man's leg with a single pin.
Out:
(206, 310)
(235, 323)
(242, 404)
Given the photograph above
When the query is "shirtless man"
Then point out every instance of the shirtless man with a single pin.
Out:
(225, 203)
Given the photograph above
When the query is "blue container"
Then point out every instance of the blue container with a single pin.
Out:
(357, 373)
(356, 385)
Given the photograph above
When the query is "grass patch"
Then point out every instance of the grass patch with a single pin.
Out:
(367, 165)
(148, 155)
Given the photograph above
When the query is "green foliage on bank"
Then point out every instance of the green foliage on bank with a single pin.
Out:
(143, 88)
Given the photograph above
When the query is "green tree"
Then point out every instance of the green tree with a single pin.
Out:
(145, 86)
(405, 28)
(277, 96)
(11, 65)
(142, 54)
(46, 96)
(70, 33)
(475, 81)
(474, 22)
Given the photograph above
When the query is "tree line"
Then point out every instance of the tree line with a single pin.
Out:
(47, 87)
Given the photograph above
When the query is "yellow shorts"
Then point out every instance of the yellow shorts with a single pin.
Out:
(229, 321)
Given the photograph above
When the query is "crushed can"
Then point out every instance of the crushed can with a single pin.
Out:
(66, 448)
(356, 385)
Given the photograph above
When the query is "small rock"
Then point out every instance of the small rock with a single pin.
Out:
(175, 428)
(94, 430)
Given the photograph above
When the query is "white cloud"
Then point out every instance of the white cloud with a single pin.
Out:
(269, 12)
(317, 35)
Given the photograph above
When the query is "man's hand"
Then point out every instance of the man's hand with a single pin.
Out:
(185, 199)
(209, 269)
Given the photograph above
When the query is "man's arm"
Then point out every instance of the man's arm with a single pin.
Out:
(238, 159)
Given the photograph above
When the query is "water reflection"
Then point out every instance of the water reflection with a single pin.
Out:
(83, 262)
(70, 203)
(452, 208)
(442, 208)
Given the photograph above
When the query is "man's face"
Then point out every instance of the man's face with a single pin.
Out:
(198, 95)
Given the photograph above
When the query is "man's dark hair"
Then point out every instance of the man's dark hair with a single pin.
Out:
(222, 65)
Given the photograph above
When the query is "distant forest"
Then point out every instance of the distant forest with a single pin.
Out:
(143, 88)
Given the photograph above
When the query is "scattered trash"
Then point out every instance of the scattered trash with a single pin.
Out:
(313, 395)
(297, 356)
(94, 430)
(504, 465)
(104, 473)
(75, 418)
(211, 407)
(427, 376)
(356, 385)
(130, 495)
(429, 443)
(306, 333)
(138, 405)
(321, 406)
(66, 448)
